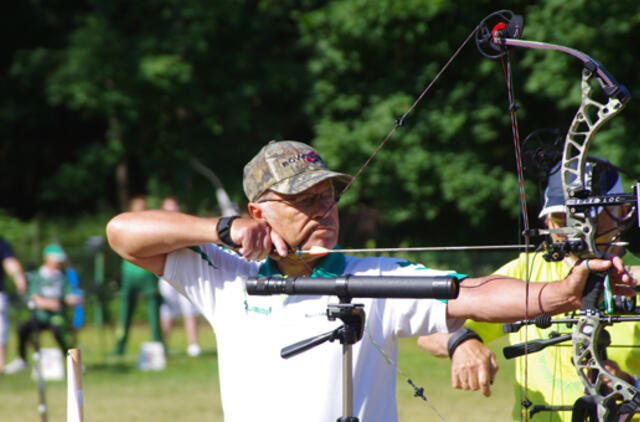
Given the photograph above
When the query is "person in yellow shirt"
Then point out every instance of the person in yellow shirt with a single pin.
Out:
(552, 379)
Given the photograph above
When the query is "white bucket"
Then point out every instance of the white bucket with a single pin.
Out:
(51, 364)
(151, 357)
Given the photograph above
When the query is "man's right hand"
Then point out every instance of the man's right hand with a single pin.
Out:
(257, 240)
(473, 367)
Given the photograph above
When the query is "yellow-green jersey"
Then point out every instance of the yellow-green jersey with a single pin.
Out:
(552, 379)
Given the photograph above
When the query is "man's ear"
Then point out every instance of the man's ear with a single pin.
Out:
(255, 211)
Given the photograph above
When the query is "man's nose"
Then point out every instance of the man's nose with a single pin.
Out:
(322, 206)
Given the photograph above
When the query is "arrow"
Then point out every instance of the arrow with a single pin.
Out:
(319, 250)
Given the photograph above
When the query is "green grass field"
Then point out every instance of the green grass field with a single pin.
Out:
(114, 390)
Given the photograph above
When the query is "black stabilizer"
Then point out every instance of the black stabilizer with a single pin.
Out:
(426, 287)
(543, 321)
(533, 346)
(512, 327)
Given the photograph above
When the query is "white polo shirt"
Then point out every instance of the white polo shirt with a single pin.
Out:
(256, 383)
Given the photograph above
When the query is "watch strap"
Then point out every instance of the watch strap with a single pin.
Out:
(459, 337)
(224, 231)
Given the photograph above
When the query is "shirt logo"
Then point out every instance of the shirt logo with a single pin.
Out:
(256, 309)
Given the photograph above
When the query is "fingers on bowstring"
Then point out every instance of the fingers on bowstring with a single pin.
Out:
(279, 243)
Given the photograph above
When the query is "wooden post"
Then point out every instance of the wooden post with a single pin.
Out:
(75, 394)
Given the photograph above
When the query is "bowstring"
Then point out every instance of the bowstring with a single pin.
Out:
(516, 140)
(419, 392)
(506, 68)
(400, 121)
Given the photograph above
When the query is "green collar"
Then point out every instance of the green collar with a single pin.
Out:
(331, 265)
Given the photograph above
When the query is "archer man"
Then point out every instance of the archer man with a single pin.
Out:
(292, 206)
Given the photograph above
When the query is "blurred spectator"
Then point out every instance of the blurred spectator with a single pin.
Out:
(12, 267)
(175, 304)
(49, 293)
(136, 281)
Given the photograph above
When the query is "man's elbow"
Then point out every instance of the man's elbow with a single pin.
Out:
(115, 235)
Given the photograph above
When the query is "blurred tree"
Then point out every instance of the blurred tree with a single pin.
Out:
(448, 175)
(162, 81)
(101, 99)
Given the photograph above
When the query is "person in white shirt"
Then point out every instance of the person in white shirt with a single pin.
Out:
(292, 207)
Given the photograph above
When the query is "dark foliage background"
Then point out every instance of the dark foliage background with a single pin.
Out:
(103, 100)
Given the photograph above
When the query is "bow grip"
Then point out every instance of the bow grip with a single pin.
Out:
(592, 291)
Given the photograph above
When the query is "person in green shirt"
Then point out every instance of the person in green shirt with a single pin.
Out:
(552, 379)
(49, 293)
(135, 282)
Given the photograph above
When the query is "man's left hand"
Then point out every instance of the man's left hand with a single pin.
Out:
(621, 282)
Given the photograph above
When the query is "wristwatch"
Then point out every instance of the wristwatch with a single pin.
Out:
(224, 231)
(459, 337)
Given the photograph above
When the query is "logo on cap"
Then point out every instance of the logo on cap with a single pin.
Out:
(309, 157)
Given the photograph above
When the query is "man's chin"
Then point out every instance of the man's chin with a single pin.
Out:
(328, 242)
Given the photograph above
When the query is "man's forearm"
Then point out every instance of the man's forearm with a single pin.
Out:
(502, 299)
(435, 344)
(149, 233)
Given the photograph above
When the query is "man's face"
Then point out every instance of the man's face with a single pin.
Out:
(607, 228)
(304, 220)
(53, 262)
(137, 204)
(170, 204)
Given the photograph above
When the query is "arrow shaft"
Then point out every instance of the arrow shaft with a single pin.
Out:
(416, 249)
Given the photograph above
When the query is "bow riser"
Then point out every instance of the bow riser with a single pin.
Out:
(591, 115)
(581, 217)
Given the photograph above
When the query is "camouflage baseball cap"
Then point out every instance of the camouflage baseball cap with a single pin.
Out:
(286, 167)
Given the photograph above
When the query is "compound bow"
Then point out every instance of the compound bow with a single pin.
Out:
(621, 399)
(494, 36)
